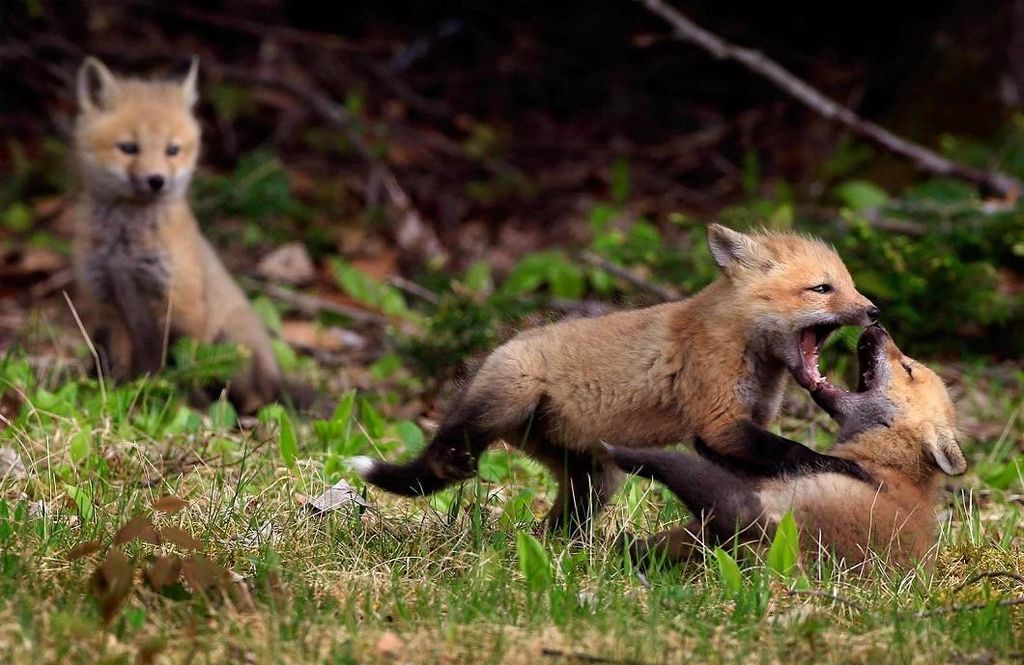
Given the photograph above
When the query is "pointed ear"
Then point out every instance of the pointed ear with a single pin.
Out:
(944, 450)
(190, 84)
(97, 86)
(733, 250)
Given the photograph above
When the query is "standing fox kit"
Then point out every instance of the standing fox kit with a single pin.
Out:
(144, 272)
(711, 366)
(899, 427)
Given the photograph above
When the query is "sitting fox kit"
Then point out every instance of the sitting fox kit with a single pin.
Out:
(144, 272)
(899, 427)
(706, 366)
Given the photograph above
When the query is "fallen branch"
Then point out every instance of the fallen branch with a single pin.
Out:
(970, 607)
(413, 236)
(414, 289)
(663, 293)
(927, 160)
(988, 575)
(311, 305)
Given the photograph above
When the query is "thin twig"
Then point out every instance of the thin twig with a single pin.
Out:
(970, 607)
(927, 160)
(586, 657)
(664, 294)
(824, 594)
(414, 289)
(990, 574)
(412, 234)
(311, 304)
(92, 348)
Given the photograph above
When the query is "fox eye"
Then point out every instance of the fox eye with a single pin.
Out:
(173, 149)
(821, 288)
(128, 147)
(910, 370)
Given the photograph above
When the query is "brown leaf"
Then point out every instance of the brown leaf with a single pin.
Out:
(164, 571)
(201, 573)
(140, 528)
(83, 550)
(180, 538)
(111, 583)
(149, 650)
(169, 504)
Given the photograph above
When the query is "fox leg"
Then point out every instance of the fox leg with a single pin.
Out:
(727, 501)
(450, 457)
(755, 450)
(679, 545)
(585, 484)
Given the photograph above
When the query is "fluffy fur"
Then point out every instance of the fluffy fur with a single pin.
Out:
(144, 272)
(906, 441)
(646, 377)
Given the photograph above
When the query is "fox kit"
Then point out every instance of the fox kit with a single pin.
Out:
(899, 427)
(144, 272)
(646, 377)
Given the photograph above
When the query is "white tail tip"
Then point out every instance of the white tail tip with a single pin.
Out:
(362, 465)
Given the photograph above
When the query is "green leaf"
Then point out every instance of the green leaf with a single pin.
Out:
(371, 419)
(861, 195)
(343, 412)
(81, 445)
(223, 415)
(566, 280)
(82, 499)
(620, 181)
(287, 443)
(729, 572)
(478, 278)
(410, 434)
(533, 562)
(785, 548)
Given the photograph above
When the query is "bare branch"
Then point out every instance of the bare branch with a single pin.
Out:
(927, 160)
(310, 304)
(662, 293)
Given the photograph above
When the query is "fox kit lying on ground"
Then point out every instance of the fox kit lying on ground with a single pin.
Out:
(899, 427)
(647, 377)
(144, 271)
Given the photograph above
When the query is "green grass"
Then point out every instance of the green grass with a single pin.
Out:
(457, 578)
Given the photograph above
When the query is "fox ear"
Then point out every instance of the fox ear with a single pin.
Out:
(190, 84)
(944, 450)
(97, 86)
(733, 250)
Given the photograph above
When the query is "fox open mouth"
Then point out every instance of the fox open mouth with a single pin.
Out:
(869, 356)
(810, 341)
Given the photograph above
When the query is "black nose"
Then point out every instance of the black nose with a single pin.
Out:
(873, 313)
(156, 182)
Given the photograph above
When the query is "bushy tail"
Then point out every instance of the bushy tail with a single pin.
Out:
(414, 478)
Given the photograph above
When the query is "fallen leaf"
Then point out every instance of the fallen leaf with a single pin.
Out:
(288, 263)
(255, 537)
(111, 582)
(340, 495)
(390, 645)
(164, 571)
(83, 550)
(201, 573)
(169, 504)
(140, 528)
(11, 465)
(180, 538)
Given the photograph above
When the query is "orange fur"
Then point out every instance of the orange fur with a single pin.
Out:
(125, 134)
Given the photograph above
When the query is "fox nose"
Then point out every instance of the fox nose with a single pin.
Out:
(155, 182)
(873, 313)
